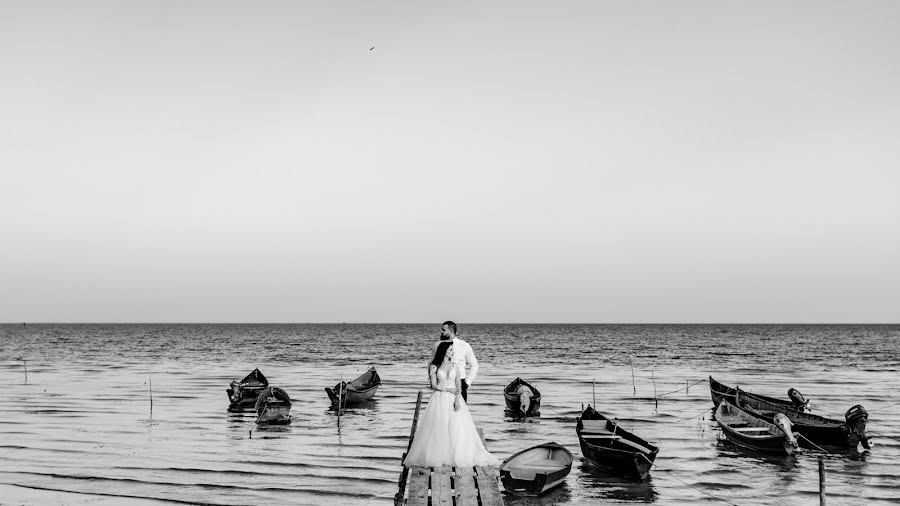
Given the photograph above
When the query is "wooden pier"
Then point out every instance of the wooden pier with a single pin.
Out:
(447, 486)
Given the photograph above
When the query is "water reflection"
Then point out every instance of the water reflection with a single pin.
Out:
(265, 431)
(516, 416)
(745, 456)
(239, 420)
(523, 421)
(559, 495)
(855, 454)
(240, 425)
(371, 405)
(599, 485)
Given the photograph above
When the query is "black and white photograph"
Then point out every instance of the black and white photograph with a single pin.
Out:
(428, 253)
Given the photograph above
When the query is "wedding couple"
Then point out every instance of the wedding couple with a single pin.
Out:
(446, 435)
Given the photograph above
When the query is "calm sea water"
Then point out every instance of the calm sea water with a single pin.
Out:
(82, 422)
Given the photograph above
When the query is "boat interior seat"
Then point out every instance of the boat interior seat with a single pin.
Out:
(750, 429)
(528, 470)
(542, 464)
(522, 473)
(601, 440)
(636, 446)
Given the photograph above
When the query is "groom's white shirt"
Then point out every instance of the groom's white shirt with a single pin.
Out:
(462, 356)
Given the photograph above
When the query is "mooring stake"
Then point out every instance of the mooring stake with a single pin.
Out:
(631, 360)
(821, 481)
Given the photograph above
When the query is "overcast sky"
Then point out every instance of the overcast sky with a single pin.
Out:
(485, 162)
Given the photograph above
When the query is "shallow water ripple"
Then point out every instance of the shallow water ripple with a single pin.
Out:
(83, 421)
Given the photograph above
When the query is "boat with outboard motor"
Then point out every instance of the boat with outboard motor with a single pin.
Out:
(813, 428)
(719, 391)
(518, 391)
(242, 394)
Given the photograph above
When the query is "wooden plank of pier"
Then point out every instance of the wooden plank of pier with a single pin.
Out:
(447, 486)
(441, 490)
(453, 486)
(488, 478)
(419, 479)
(465, 487)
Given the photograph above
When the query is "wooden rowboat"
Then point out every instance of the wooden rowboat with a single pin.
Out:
(814, 428)
(360, 390)
(273, 406)
(613, 449)
(513, 398)
(535, 470)
(751, 432)
(719, 391)
(242, 394)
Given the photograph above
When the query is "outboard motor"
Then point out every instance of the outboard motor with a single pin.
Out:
(800, 402)
(784, 423)
(235, 392)
(857, 417)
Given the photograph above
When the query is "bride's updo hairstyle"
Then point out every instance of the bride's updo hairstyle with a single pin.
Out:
(441, 352)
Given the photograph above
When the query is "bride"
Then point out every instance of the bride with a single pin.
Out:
(446, 436)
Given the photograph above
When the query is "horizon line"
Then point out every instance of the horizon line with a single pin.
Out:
(428, 323)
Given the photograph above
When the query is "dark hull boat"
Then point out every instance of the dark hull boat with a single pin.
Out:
(242, 394)
(273, 406)
(536, 470)
(748, 431)
(358, 391)
(613, 449)
(719, 391)
(512, 394)
(817, 429)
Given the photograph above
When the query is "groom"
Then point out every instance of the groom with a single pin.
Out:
(462, 355)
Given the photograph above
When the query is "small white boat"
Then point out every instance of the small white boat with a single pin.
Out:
(536, 470)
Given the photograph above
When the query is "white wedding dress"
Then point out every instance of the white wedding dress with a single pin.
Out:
(445, 437)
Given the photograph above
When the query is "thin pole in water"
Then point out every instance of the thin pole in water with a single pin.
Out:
(655, 397)
(687, 386)
(594, 391)
(151, 394)
(340, 395)
(26, 370)
(821, 481)
(631, 359)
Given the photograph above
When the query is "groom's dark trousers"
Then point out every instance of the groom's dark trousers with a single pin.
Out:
(465, 390)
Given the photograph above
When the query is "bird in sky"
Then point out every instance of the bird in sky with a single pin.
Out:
(371, 48)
